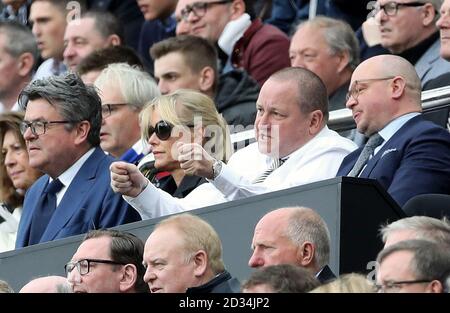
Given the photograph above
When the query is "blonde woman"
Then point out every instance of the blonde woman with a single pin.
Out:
(182, 116)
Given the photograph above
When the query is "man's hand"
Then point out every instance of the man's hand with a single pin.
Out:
(126, 179)
(194, 160)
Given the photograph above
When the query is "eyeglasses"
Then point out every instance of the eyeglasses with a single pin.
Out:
(391, 8)
(394, 286)
(356, 88)
(162, 129)
(39, 127)
(83, 266)
(199, 8)
(109, 108)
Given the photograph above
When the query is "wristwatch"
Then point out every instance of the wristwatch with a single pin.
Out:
(217, 168)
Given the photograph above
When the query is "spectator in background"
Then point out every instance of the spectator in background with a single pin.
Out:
(328, 48)
(124, 91)
(282, 278)
(258, 48)
(16, 176)
(47, 284)
(93, 31)
(170, 119)
(18, 55)
(107, 261)
(413, 266)
(417, 227)
(411, 156)
(347, 283)
(16, 10)
(61, 129)
(159, 24)
(191, 62)
(408, 29)
(187, 248)
(293, 235)
(49, 21)
(91, 66)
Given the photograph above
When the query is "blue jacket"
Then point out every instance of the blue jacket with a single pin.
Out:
(88, 203)
(416, 160)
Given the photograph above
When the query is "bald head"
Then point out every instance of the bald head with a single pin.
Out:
(48, 284)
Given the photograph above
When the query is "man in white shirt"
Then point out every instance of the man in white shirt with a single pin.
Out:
(292, 111)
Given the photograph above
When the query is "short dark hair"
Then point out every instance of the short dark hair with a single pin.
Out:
(311, 91)
(75, 101)
(198, 52)
(106, 23)
(98, 60)
(283, 278)
(125, 248)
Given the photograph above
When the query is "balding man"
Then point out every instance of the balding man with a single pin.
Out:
(406, 154)
(47, 284)
(294, 235)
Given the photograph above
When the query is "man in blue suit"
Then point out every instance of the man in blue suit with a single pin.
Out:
(61, 129)
(413, 155)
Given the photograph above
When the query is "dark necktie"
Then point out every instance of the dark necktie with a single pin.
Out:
(276, 163)
(44, 211)
(374, 141)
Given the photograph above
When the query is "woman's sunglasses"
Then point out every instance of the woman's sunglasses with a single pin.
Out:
(162, 129)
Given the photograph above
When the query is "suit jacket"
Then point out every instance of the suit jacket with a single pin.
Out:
(431, 65)
(326, 275)
(88, 203)
(416, 160)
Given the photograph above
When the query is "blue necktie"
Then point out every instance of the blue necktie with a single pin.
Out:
(44, 211)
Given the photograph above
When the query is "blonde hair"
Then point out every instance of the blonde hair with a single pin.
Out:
(182, 108)
(347, 283)
(197, 235)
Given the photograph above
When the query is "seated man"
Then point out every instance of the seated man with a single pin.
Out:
(413, 266)
(417, 227)
(290, 125)
(61, 129)
(295, 235)
(124, 92)
(411, 156)
(184, 254)
(107, 261)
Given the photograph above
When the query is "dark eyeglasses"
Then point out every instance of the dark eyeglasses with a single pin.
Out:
(83, 266)
(392, 286)
(162, 129)
(109, 108)
(39, 127)
(356, 87)
(199, 8)
(391, 8)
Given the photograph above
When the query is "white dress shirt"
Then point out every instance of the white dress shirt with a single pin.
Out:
(317, 160)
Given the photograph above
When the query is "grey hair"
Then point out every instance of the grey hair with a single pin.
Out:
(306, 225)
(339, 36)
(5, 287)
(106, 24)
(72, 99)
(430, 261)
(136, 86)
(19, 39)
(424, 227)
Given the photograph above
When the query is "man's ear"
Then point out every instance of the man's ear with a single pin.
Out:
(344, 58)
(435, 287)
(237, 9)
(316, 122)
(82, 131)
(398, 87)
(200, 260)
(206, 80)
(25, 64)
(305, 254)
(129, 277)
(113, 40)
(428, 14)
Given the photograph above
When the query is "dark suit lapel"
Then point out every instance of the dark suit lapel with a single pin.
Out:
(74, 195)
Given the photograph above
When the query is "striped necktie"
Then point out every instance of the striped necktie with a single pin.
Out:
(374, 141)
(276, 163)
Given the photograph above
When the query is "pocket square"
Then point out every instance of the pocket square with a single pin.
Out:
(388, 151)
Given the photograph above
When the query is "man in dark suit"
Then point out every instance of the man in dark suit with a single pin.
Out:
(295, 235)
(413, 155)
(61, 129)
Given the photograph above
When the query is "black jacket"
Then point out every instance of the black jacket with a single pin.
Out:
(222, 283)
